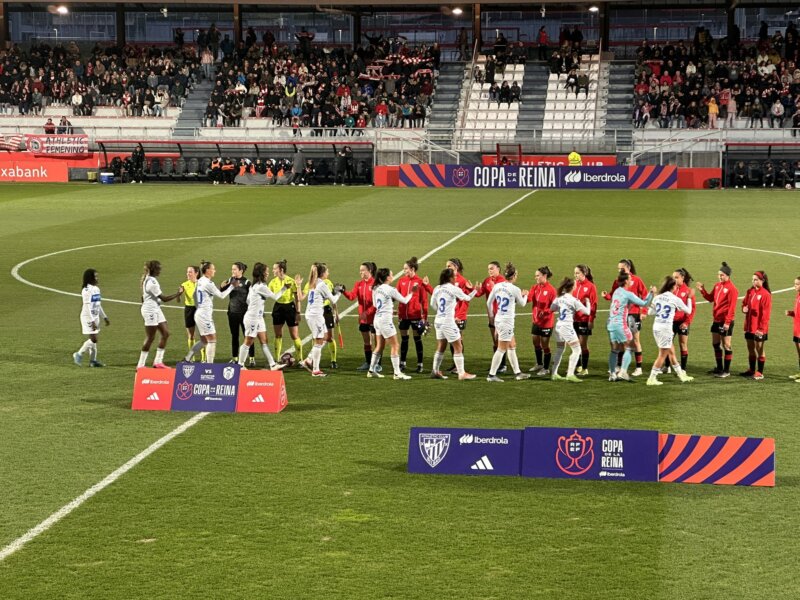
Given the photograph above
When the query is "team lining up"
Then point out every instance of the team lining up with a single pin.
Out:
(568, 312)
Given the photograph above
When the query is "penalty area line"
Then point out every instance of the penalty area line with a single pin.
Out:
(62, 512)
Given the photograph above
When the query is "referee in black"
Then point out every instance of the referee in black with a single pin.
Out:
(237, 307)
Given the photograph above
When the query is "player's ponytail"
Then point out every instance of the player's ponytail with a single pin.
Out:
(510, 270)
(205, 266)
(587, 272)
(381, 276)
(545, 270)
(259, 272)
(459, 266)
(622, 278)
(566, 286)
(312, 277)
(282, 265)
(241, 266)
(151, 267)
(668, 285)
(413, 263)
(764, 279)
(446, 276)
(371, 267)
(628, 263)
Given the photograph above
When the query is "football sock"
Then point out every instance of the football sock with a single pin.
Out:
(573, 360)
(93, 351)
(728, 359)
(654, 373)
(496, 358)
(666, 363)
(557, 358)
(752, 360)
(419, 348)
(626, 360)
(367, 353)
(278, 346)
(613, 357)
(512, 360)
(437, 361)
(373, 362)
(718, 355)
(268, 354)
(194, 349)
(298, 346)
(211, 351)
(243, 349)
(638, 356)
(585, 360)
(86, 347)
(403, 347)
(547, 357)
(396, 364)
(159, 356)
(762, 361)
(316, 355)
(619, 359)
(538, 351)
(142, 359)
(684, 360)
(332, 348)
(458, 359)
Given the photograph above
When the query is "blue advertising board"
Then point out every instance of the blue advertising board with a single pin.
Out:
(609, 454)
(464, 451)
(206, 387)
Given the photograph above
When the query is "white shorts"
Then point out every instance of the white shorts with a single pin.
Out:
(253, 326)
(663, 337)
(566, 334)
(86, 325)
(153, 318)
(447, 330)
(504, 328)
(205, 324)
(316, 323)
(384, 328)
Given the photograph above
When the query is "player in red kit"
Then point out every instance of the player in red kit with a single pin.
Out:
(796, 330)
(462, 307)
(541, 297)
(635, 313)
(411, 314)
(493, 270)
(583, 324)
(757, 306)
(723, 307)
(362, 292)
(682, 321)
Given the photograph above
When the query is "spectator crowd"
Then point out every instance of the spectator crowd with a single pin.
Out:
(708, 83)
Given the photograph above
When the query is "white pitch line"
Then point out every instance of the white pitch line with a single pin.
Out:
(31, 534)
(62, 512)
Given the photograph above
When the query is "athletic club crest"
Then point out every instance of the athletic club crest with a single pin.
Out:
(228, 373)
(460, 177)
(575, 454)
(183, 390)
(434, 447)
(187, 370)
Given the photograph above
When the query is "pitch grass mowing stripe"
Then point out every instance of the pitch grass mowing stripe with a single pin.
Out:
(68, 508)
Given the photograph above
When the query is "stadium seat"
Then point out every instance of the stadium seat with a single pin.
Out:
(166, 168)
(155, 167)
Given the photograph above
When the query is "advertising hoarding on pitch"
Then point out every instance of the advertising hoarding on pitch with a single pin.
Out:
(438, 450)
(206, 387)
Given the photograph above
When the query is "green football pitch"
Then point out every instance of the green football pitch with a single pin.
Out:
(315, 502)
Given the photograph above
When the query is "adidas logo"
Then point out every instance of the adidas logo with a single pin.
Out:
(483, 464)
(154, 396)
(259, 399)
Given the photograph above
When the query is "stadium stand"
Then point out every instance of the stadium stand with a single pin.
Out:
(576, 97)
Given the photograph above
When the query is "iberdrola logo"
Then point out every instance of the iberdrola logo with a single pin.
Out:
(575, 454)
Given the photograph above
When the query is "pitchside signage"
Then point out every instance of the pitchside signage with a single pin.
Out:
(464, 451)
(650, 177)
(206, 387)
(611, 454)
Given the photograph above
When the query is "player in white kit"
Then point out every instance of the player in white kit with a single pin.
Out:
(443, 299)
(154, 319)
(315, 318)
(204, 294)
(254, 326)
(665, 304)
(383, 297)
(91, 313)
(502, 307)
(565, 306)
